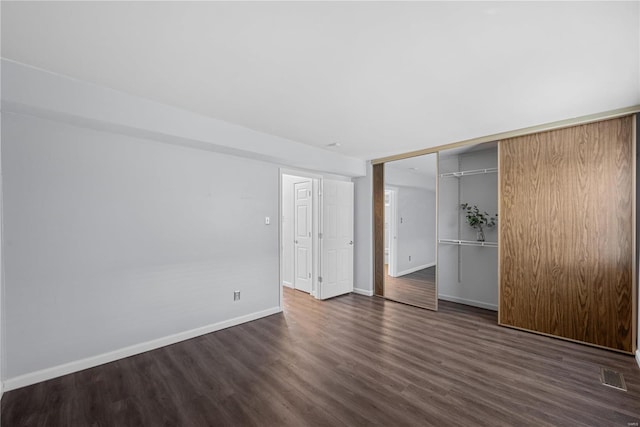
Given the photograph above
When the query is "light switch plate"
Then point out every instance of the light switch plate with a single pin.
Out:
(267, 220)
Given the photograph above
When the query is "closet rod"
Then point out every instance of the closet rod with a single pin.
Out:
(467, 173)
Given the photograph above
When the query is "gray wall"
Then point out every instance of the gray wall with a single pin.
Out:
(2, 347)
(363, 233)
(130, 223)
(467, 274)
(414, 182)
(416, 227)
(113, 241)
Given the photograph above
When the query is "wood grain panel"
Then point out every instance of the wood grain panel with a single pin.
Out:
(634, 268)
(378, 229)
(566, 233)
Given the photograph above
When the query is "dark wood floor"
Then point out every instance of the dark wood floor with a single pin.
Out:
(417, 288)
(349, 361)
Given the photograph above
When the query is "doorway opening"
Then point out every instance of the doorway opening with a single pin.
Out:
(299, 232)
(316, 234)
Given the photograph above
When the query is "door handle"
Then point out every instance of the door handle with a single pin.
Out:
(351, 242)
(295, 241)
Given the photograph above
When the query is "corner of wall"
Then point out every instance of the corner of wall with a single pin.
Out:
(90, 362)
(365, 292)
(363, 232)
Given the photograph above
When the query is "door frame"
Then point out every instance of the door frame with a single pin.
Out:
(378, 228)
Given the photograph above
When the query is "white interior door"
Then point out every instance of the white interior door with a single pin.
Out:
(302, 249)
(337, 239)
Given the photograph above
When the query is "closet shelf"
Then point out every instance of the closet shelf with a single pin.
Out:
(467, 243)
(468, 173)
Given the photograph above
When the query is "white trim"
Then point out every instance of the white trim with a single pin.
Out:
(287, 284)
(638, 357)
(471, 302)
(364, 292)
(414, 269)
(90, 362)
(280, 245)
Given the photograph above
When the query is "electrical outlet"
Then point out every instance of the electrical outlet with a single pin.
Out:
(236, 295)
(409, 257)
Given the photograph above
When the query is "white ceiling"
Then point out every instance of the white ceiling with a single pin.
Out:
(380, 78)
(420, 171)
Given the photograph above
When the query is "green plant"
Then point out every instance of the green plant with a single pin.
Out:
(477, 219)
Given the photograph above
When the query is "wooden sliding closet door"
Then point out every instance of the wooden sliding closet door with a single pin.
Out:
(567, 233)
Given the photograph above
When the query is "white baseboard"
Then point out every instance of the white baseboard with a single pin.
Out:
(363, 292)
(414, 269)
(638, 357)
(287, 284)
(90, 362)
(471, 302)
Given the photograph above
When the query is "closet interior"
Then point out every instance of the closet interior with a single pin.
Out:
(468, 255)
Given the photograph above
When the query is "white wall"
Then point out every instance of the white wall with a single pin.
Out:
(414, 181)
(363, 233)
(394, 175)
(416, 229)
(112, 241)
(2, 358)
(480, 190)
(129, 224)
(36, 92)
(467, 274)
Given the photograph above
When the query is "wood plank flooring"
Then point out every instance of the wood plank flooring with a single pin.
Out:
(348, 361)
(417, 288)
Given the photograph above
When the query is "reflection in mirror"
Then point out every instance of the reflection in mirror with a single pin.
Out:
(410, 231)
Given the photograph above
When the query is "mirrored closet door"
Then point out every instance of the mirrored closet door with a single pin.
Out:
(410, 240)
